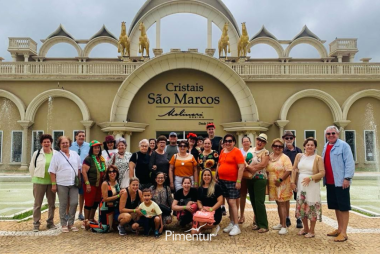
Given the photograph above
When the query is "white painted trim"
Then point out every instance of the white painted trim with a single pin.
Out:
(1, 146)
(63, 134)
(356, 154)
(22, 145)
(315, 134)
(16, 100)
(365, 145)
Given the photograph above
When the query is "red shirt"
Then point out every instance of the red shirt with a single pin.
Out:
(328, 168)
(228, 164)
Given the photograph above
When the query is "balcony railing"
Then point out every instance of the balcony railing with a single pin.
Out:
(22, 43)
(343, 44)
(247, 69)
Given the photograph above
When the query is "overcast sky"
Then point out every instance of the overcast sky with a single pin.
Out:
(328, 19)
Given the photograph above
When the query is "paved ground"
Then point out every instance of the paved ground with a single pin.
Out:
(364, 237)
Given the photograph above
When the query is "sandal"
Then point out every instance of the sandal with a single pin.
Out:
(309, 235)
(255, 227)
(340, 238)
(241, 220)
(65, 230)
(334, 233)
(302, 232)
(73, 228)
(263, 230)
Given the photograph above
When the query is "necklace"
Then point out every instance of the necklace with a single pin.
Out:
(275, 159)
(97, 164)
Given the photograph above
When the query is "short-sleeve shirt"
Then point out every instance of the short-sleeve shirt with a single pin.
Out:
(215, 143)
(183, 166)
(152, 210)
(183, 200)
(84, 150)
(209, 201)
(65, 174)
(292, 153)
(142, 169)
(228, 164)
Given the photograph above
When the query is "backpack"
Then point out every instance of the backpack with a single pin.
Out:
(99, 228)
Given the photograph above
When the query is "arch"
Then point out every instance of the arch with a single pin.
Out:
(314, 93)
(42, 97)
(96, 41)
(172, 7)
(16, 100)
(172, 61)
(311, 41)
(356, 96)
(58, 39)
(269, 41)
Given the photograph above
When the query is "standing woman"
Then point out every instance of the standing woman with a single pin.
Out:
(109, 148)
(193, 139)
(182, 164)
(139, 165)
(208, 158)
(38, 169)
(257, 185)
(279, 169)
(200, 143)
(311, 170)
(162, 195)
(159, 161)
(93, 170)
(152, 145)
(121, 161)
(64, 167)
(246, 141)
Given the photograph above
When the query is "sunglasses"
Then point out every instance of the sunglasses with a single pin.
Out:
(79, 151)
(182, 146)
(228, 141)
(112, 172)
(278, 146)
(289, 138)
(332, 133)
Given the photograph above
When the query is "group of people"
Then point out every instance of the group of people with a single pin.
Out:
(142, 191)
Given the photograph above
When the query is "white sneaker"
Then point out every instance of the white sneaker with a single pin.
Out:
(215, 230)
(277, 227)
(228, 228)
(283, 231)
(235, 230)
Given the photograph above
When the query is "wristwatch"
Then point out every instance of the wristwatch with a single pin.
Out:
(280, 180)
(347, 178)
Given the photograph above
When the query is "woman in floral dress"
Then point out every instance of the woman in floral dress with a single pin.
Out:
(310, 170)
(279, 169)
(208, 158)
(121, 161)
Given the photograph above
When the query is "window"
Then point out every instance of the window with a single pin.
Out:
(16, 147)
(1, 146)
(75, 132)
(56, 135)
(369, 145)
(350, 137)
(294, 133)
(36, 140)
(310, 133)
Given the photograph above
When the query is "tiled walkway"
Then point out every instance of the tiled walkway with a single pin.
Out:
(363, 233)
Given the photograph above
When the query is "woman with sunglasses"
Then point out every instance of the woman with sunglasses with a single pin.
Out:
(162, 195)
(111, 192)
(258, 182)
(279, 169)
(182, 164)
(109, 146)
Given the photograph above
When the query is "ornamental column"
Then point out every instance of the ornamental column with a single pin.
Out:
(87, 125)
(158, 33)
(342, 124)
(25, 127)
(281, 124)
(209, 33)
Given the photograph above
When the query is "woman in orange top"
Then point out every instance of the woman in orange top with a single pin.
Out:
(230, 169)
(182, 164)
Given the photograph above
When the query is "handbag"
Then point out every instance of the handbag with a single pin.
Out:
(181, 213)
(77, 181)
(247, 175)
(207, 217)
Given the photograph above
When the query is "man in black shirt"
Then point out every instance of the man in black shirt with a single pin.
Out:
(291, 151)
(215, 140)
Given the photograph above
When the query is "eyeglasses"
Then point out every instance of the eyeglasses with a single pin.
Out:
(228, 141)
(289, 138)
(79, 151)
(278, 146)
(111, 172)
(160, 178)
(332, 133)
(182, 146)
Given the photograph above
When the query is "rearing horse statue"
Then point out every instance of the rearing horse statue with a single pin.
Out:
(123, 44)
(143, 40)
(224, 42)
(243, 42)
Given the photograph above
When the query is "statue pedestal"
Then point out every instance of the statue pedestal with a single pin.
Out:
(210, 52)
(124, 58)
(157, 52)
(222, 58)
(144, 58)
(242, 59)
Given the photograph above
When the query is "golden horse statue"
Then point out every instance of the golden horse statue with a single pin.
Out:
(224, 42)
(123, 44)
(143, 41)
(243, 42)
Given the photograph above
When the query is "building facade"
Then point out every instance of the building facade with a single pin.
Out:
(182, 90)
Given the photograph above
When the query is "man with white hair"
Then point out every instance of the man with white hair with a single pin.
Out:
(340, 168)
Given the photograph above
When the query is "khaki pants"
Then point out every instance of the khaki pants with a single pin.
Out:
(39, 191)
(67, 195)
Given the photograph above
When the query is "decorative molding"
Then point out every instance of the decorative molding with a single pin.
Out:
(356, 96)
(307, 40)
(16, 100)
(269, 41)
(56, 40)
(96, 41)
